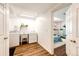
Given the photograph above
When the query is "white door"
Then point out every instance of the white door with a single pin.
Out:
(71, 45)
(2, 50)
(3, 32)
(77, 27)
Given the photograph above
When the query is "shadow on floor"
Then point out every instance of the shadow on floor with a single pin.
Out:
(11, 51)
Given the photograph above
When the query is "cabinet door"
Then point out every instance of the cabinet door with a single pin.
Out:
(32, 38)
(14, 40)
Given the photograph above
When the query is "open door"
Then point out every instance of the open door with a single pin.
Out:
(71, 31)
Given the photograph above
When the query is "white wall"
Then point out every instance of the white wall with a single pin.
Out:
(44, 31)
(17, 21)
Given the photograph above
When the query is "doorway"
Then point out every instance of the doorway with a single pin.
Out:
(59, 31)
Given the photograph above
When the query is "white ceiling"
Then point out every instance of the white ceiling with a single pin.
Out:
(32, 9)
(60, 14)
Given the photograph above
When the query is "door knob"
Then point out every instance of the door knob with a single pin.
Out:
(5, 38)
(73, 41)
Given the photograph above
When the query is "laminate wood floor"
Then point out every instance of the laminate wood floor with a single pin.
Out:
(60, 51)
(33, 49)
